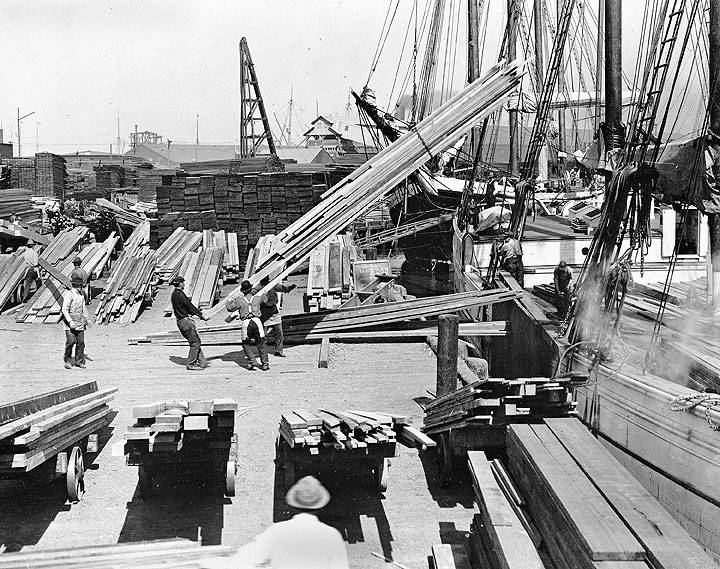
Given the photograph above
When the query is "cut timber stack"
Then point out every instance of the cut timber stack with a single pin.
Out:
(345, 430)
(227, 242)
(65, 244)
(12, 276)
(22, 172)
(51, 175)
(13, 230)
(45, 306)
(498, 402)
(258, 254)
(369, 184)
(169, 426)
(390, 235)
(170, 255)
(122, 215)
(36, 429)
(329, 275)
(201, 271)
(17, 201)
(167, 553)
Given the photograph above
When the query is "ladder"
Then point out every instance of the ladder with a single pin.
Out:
(252, 134)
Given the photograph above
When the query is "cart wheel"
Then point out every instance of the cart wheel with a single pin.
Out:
(230, 472)
(381, 474)
(445, 460)
(75, 476)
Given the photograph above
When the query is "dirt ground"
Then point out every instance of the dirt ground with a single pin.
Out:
(400, 525)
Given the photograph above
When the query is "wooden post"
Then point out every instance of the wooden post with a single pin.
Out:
(714, 105)
(447, 354)
(514, 164)
(613, 65)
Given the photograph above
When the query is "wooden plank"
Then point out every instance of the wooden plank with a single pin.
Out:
(447, 556)
(414, 437)
(324, 353)
(17, 409)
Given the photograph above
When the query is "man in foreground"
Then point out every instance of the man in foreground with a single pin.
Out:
(252, 331)
(511, 258)
(184, 310)
(562, 277)
(30, 256)
(75, 320)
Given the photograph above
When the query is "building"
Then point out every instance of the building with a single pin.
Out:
(302, 155)
(6, 148)
(171, 155)
(337, 135)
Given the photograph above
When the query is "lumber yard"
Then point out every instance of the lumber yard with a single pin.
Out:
(296, 353)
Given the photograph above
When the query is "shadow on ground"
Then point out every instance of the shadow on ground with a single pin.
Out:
(459, 490)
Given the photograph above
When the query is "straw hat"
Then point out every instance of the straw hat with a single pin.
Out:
(307, 494)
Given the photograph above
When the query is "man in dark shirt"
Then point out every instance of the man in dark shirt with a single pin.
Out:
(562, 277)
(184, 309)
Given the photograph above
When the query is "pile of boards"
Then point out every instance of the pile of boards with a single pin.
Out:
(587, 509)
(122, 215)
(300, 328)
(35, 429)
(17, 201)
(227, 241)
(329, 274)
(14, 230)
(168, 426)
(405, 230)
(171, 253)
(340, 430)
(50, 175)
(64, 244)
(499, 402)
(258, 254)
(167, 553)
(12, 273)
(201, 271)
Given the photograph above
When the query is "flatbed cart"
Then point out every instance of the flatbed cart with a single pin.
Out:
(375, 458)
(215, 461)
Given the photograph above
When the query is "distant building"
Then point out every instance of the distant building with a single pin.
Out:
(301, 155)
(172, 155)
(6, 148)
(337, 135)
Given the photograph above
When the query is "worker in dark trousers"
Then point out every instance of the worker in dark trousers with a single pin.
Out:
(562, 277)
(30, 256)
(83, 275)
(270, 305)
(252, 332)
(184, 310)
(511, 258)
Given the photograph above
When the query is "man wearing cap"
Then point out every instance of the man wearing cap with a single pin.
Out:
(184, 309)
(30, 257)
(75, 320)
(303, 542)
(270, 305)
(252, 332)
(511, 258)
(82, 274)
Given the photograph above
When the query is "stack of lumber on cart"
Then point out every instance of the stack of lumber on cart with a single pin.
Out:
(313, 326)
(15, 230)
(167, 553)
(227, 241)
(501, 535)
(12, 273)
(405, 230)
(329, 274)
(588, 509)
(171, 253)
(340, 430)
(37, 428)
(369, 184)
(45, 306)
(122, 215)
(498, 402)
(64, 244)
(17, 201)
(168, 426)
(201, 271)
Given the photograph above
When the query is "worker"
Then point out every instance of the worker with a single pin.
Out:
(14, 219)
(75, 319)
(252, 332)
(562, 278)
(510, 253)
(270, 306)
(30, 257)
(82, 274)
(490, 194)
(616, 289)
(184, 310)
(302, 542)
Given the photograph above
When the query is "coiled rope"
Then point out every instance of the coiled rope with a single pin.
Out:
(711, 401)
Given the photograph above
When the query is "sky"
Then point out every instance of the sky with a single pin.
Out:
(78, 64)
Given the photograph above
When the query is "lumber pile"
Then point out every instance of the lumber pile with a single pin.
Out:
(499, 402)
(122, 215)
(171, 253)
(346, 430)
(201, 271)
(169, 426)
(369, 184)
(227, 242)
(405, 230)
(17, 201)
(65, 244)
(329, 274)
(37, 428)
(257, 254)
(22, 172)
(45, 306)
(370, 318)
(14, 230)
(167, 553)
(50, 175)
(108, 177)
(12, 273)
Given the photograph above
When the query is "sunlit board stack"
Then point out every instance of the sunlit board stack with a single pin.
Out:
(12, 276)
(35, 429)
(346, 430)
(121, 215)
(17, 201)
(50, 175)
(64, 244)
(166, 553)
(171, 253)
(201, 271)
(170, 426)
(22, 172)
(329, 275)
(498, 402)
(227, 241)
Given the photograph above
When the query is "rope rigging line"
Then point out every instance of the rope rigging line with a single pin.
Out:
(382, 40)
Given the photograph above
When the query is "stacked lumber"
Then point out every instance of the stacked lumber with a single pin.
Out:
(17, 201)
(168, 426)
(122, 215)
(369, 184)
(499, 402)
(14, 230)
(340, 430)
(227, 242)
(45, 306)
(302, 327)
(128, 288)
(109, 177)
(171, 253)
(22, 172)
(167, 553)
(140, 237)
(65, 244)
(12, 273)
(329, 274)
(50, 175)
(257, 254)
(405, 230)
(201, 270)
(35, 429)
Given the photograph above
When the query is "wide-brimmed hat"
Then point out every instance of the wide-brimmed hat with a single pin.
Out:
(307, 494)
(77, 280)
(177, 280)
(245, 286)
(77, 261)
(30, 242)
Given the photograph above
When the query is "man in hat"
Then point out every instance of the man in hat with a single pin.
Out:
(75, 318)
(510, 253)
(30, 257)
(562, 277)
(184, 310)
(270, 305)
(303, 542)
(82, 274)
(252, 332)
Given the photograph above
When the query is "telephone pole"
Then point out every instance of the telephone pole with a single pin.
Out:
(19, 118)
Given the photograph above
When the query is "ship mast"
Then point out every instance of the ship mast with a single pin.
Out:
(613, 71)
(714, 111)
(514, 165)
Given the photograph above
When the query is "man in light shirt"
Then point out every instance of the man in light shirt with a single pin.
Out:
(75, 318)
(30, 257)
